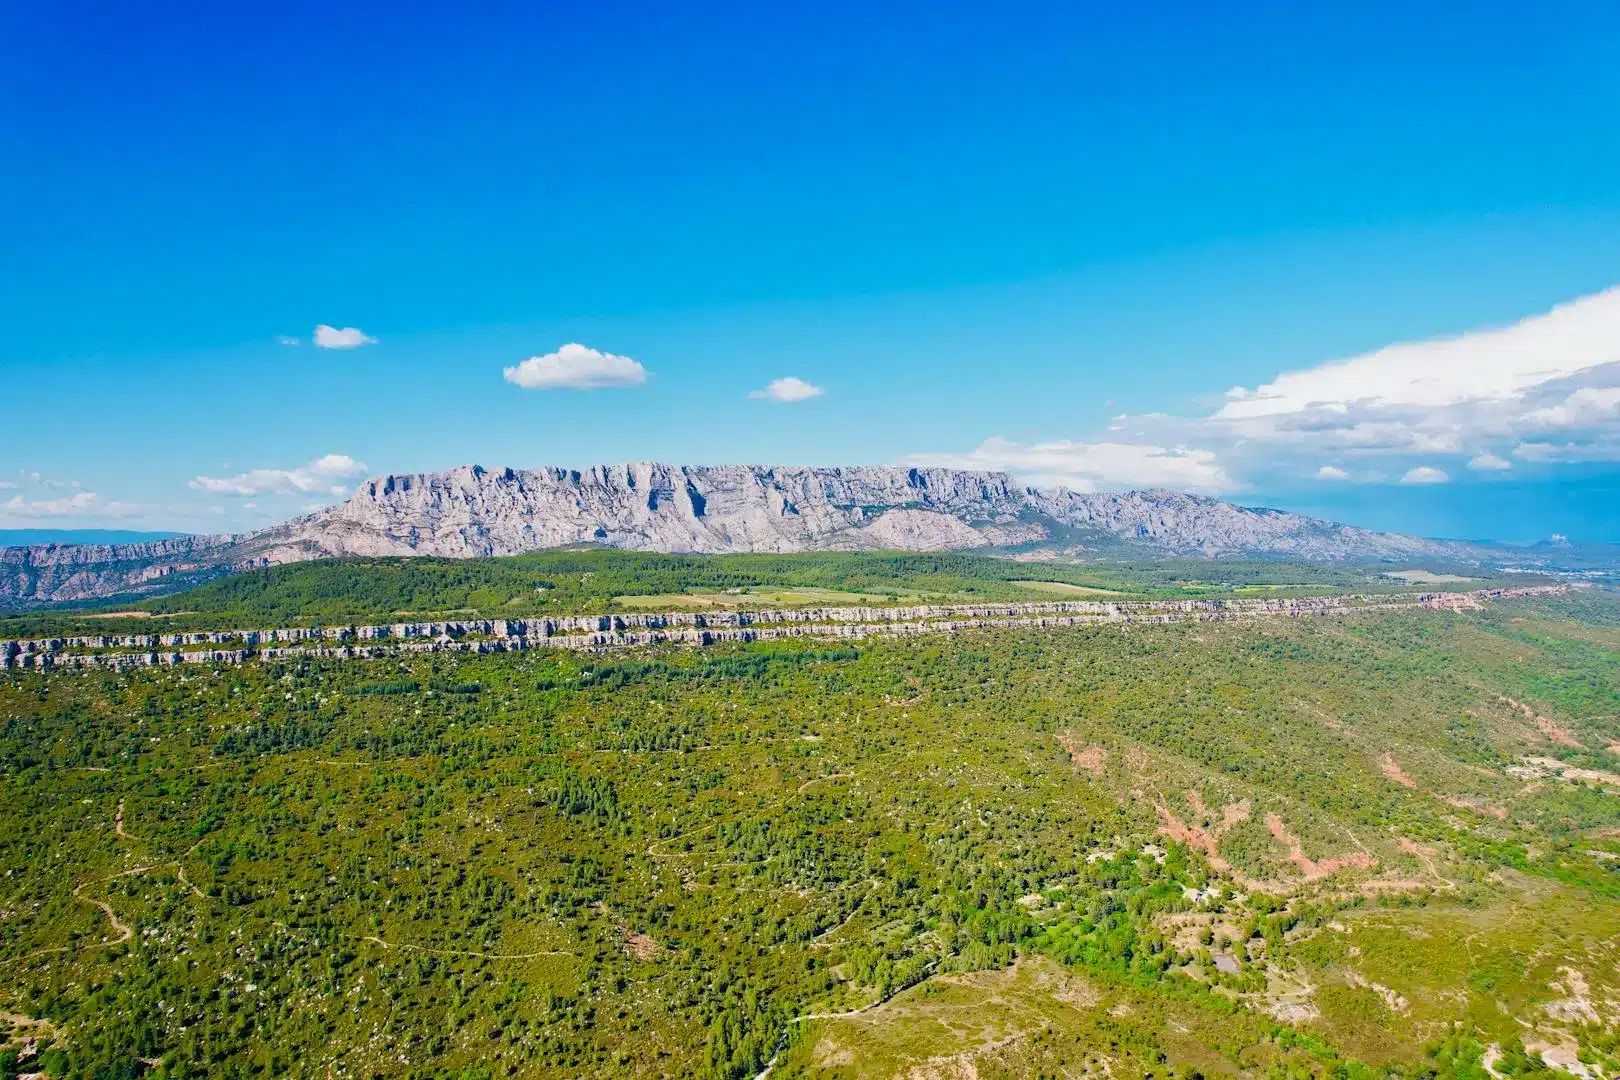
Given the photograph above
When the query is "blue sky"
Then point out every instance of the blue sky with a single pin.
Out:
(1050, 240)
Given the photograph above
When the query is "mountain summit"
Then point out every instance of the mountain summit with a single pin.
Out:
(471, 511)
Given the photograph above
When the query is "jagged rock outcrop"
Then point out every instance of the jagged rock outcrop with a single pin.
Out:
(471, 511)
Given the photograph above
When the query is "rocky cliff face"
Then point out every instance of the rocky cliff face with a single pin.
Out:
(63, 573)
(472, 511)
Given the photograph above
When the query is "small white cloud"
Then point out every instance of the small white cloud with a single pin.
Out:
(330, 337)
(787, 389)
(287, 339)
(1425, 474)
(6, 485)
(1488, 462)
(317, 476)
(1332, 472)
(576, 367)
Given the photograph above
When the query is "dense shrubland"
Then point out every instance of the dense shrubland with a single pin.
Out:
(554, 865)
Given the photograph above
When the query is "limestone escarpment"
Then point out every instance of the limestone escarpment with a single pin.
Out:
(62, 573)
(472, 511)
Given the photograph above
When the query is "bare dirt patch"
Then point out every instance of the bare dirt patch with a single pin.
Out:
(1393, 1001)
(1546, 725)
(1310, 869)
(1576, 1004)
(1479, 806)
(1392, 771)
(642, 947)
(1201, 837)
(1090, 758)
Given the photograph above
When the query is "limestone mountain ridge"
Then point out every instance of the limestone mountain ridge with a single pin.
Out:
(472, 511)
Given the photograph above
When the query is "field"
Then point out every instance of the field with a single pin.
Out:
(1378, 845)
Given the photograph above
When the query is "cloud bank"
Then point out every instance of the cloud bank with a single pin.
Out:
(1544, 391)
(81, 504)
(317, 476)
(1088, 466)
(576, 367)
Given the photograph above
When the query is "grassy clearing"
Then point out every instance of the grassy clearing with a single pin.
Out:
(1426, 577)
(1064, 588)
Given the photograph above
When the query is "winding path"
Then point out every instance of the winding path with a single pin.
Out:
(466, 952)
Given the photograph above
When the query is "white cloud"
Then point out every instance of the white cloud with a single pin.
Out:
(287, 339)
(787, 389)
(1549, 384)
(1487, 365)
(7, 485)
(1589, 404)
(1085, 466)
(78, 505)
(1332, 472)
(330, 337)
(1541, 451)
(576, 367)
(317, 476)
(1425, 474)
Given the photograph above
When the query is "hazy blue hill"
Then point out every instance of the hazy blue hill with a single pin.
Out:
(29, 537)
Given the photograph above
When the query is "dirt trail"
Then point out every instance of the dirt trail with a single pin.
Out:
(466, 952)
(119, 927)
(851, 1014)
(1425, 855)
(819, 779)
(180, 872)
(118, 823)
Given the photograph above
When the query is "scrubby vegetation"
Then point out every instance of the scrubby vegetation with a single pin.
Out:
(593, 581)
(1330, 848)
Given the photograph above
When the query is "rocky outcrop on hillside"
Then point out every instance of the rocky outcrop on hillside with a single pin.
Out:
(1176, 523)
(64, 573)
(471, 511)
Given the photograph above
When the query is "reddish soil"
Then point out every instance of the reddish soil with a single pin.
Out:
(1309, 868)
(1463, 803)
(1392, 771)
(1207, 840)
(1090, 758)
(1548, 727)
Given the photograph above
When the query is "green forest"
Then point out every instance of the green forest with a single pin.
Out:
(598, 580)
(1376, 846)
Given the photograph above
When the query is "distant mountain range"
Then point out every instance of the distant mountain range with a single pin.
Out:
(472, 511)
